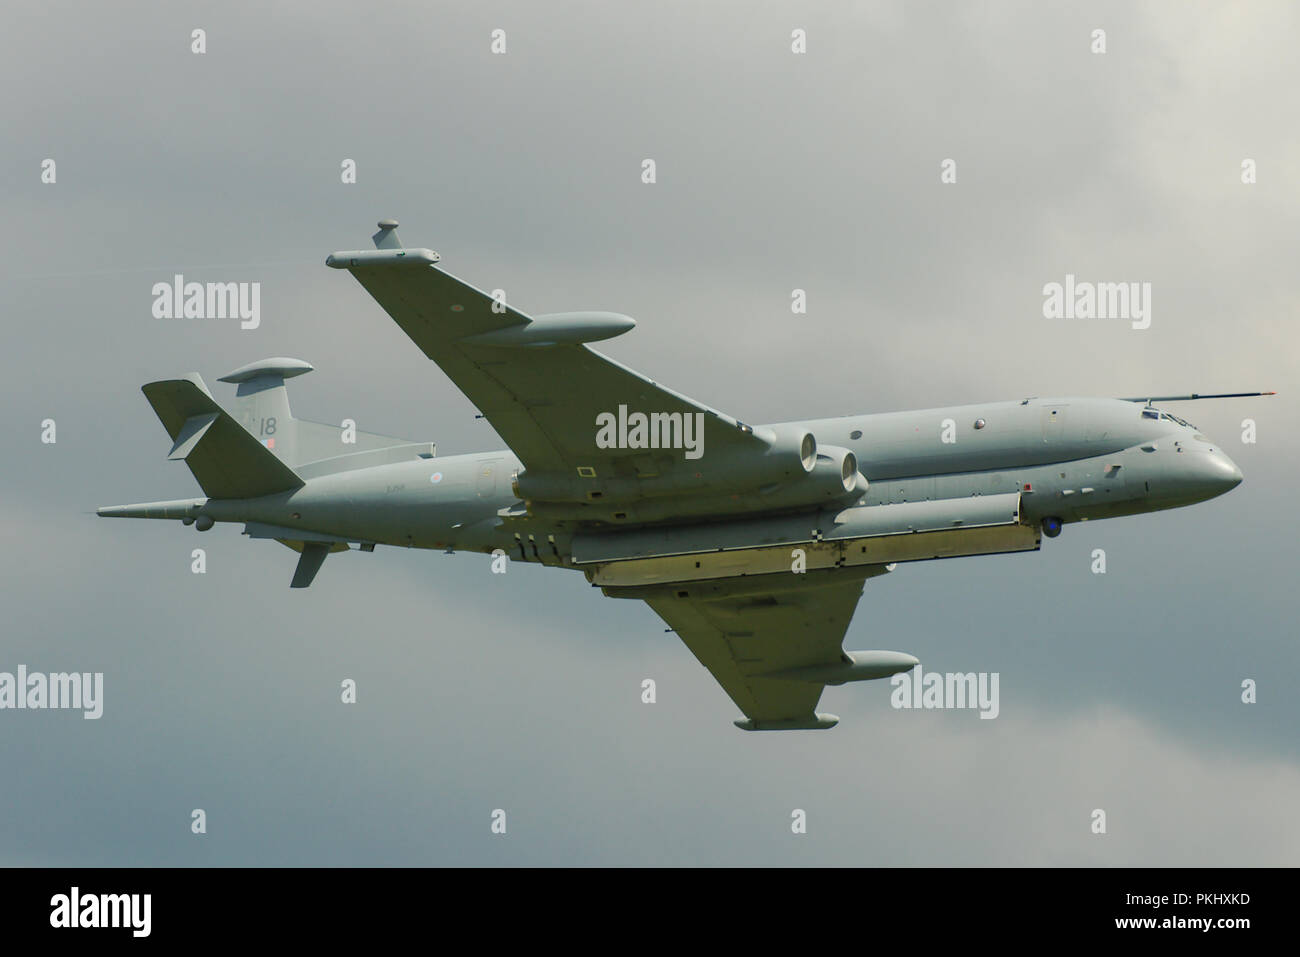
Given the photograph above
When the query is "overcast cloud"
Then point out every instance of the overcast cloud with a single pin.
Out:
(775, 171)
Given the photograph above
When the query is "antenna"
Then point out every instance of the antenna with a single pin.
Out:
(1195, 395)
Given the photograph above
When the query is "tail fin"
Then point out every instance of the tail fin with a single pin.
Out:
(262, 407)
(262, 404)
(226, 460)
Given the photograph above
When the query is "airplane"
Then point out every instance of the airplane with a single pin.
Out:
(752, 542)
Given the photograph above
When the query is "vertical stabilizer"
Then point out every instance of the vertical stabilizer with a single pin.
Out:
(262, 407)
(262, 403)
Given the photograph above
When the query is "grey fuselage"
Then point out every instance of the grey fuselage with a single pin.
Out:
(1071, 459)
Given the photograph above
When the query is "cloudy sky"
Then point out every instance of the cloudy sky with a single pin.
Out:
(775, 171)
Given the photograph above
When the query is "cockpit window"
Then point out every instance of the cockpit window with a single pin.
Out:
(1150, 413)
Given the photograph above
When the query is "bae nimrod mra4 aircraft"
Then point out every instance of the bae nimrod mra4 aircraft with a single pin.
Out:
(752, 542)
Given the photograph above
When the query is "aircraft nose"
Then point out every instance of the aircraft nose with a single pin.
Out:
(1235, 474)
(1219, 473)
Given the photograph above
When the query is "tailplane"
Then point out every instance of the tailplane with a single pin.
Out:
(256, 450)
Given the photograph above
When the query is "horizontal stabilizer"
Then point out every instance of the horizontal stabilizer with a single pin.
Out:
(403, 452)
(316, 442)
(226, 460)
(313, 557)
(296, 537)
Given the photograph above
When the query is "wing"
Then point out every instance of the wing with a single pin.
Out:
(773, 642)
(533, 378)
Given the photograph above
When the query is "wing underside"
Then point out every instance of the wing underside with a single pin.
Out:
(752, 632)
(543, 397)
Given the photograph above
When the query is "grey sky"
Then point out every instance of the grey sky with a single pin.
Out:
(775, 171)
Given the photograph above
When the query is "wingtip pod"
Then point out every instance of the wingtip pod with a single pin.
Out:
(352, 258)
(861, 666)
(813, 722)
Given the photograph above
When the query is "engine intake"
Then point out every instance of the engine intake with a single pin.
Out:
(836, 472)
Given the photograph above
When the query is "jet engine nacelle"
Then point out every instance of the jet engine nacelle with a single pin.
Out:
(791, 455)
(835, 475)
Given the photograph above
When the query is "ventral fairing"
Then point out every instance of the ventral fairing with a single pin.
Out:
(753, 542)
